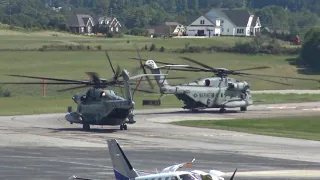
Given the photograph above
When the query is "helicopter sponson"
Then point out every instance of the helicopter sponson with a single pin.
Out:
(241, 86)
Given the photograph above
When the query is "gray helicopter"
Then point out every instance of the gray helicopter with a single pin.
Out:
(98, 106)
(219, 91)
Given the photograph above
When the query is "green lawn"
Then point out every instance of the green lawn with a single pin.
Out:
(12, 40)
(294, 127)
(74, 64)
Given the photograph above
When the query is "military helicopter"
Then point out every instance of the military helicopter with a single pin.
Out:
(219, 91)
(98, 106)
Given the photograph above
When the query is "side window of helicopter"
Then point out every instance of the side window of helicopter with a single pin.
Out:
(83, 98)
(207, 82)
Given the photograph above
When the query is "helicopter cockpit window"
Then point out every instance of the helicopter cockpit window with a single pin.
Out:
(207, 82)
(186, 177)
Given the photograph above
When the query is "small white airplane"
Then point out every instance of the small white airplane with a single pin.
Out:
(123, 170)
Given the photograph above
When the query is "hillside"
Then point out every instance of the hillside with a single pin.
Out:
(293, 15)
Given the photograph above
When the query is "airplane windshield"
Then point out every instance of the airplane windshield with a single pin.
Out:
(187, 177)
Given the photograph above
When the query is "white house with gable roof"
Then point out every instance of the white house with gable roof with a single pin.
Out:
(226, 22)
(236, 22)
(204, 26)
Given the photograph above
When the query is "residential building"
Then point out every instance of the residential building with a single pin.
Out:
(225, 22)
(85, 24)
(203, 26)
(81, 24)
(167, 29)
(236, 22)
(107, 24)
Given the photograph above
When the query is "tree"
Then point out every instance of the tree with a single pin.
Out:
(310, 53)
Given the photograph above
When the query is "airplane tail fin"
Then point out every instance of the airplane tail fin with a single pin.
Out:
(123, 170)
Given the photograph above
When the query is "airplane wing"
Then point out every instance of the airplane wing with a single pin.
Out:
(175, 167)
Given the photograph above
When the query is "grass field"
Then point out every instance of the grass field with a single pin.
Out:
(293, 127)
(11, 39)
(74, 64)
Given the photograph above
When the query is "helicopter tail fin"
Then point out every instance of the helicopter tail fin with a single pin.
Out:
(127, 78)
(161, 80)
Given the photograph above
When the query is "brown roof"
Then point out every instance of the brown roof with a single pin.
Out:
(164, 28)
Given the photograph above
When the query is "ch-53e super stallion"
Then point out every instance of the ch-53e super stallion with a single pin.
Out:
(123, 170)
(98, 106)
(219, 91)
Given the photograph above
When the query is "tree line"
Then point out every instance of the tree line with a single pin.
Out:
(293, 15)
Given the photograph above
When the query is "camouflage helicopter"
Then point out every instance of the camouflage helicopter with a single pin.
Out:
(219, 91)
(98, 106)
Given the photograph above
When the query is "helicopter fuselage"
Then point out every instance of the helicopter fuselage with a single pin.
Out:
(212, 92)
(101, 107)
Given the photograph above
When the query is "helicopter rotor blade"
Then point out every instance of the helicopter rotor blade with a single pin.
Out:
(117, 73)
(141, 90)
(108, 57)
(234, 173)
(265, 75)
(72, 88)
(158, 62)
(94, 76)
(56, 83)
(266, 80)
(46, 78)
(196, 62)
(143, 68)
(253, 68)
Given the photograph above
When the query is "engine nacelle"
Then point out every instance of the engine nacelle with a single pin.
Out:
(238, 85)
(78, 98)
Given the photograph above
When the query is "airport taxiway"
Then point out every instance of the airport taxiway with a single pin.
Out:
(48, 147)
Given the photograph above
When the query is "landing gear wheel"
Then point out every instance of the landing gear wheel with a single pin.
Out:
(243, 108)
(222, 110)
(86, 127)
(123, 127)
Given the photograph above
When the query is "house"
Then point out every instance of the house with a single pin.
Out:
(81, 24)
(236, 22)
(225, 22)
(167, 29)
(107, 24)
(203, 26)
(85, 24)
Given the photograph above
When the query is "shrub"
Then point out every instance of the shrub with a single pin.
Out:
(69, 47)
(162, 49)
(119, 35)
(110, 34)
(4, 92)
(99, 47)
(152, 47)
